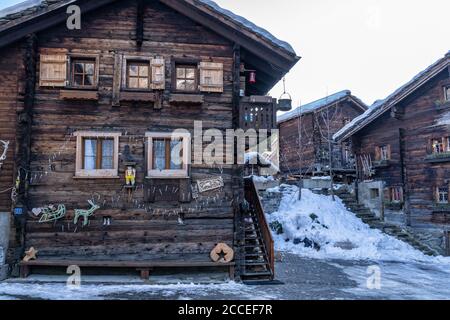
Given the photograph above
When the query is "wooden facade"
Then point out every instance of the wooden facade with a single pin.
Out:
(162, 218)
(402, 143)
(318, 123)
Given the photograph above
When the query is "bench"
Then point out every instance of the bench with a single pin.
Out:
(144, 267)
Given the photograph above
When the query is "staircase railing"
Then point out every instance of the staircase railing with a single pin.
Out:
(251, 195)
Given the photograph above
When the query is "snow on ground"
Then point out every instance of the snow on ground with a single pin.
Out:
(317, 227)
(59, 291)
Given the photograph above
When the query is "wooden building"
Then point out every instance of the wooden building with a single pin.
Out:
(402, 147)
(83, 108)
(315, 124)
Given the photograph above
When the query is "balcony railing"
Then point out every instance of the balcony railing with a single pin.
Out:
(258, 112)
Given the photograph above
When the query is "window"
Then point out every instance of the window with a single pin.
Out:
(83, 72)
(97, 155)
(168, 155)
(384, 153)
(440, 145)
(374, 193)
(442, 195)
(396, 194)
(186, 77)
(447, 93)
(138, 75)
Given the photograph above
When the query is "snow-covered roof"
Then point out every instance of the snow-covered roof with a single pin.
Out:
(19, 7)
(381, 106)
(319, 104)
(248, 25)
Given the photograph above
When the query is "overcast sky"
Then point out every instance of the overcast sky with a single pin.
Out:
(370, 47)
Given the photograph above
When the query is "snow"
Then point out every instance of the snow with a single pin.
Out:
(380, 106)
(260, 179)
(19, 7)
(307, 108)
(248, 25)
(255, 158)
(59, 291)
(338, 232)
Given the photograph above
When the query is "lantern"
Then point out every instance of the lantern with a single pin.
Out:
(252, 77)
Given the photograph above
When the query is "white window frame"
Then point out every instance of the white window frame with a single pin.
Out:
(442, 193)
(168, 174)
(446, 95)
(96, 173)
(384, 153)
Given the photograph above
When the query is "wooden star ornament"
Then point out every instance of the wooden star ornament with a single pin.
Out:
(30, 254)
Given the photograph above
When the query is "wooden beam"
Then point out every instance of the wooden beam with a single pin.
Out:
(140, 23)
(236, 83)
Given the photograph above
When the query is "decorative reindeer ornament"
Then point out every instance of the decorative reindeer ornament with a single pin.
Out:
(85, 213)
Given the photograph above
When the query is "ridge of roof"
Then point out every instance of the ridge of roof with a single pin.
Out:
(381, 106)
(319, 104)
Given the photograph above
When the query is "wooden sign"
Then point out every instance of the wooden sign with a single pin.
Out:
(210, 184)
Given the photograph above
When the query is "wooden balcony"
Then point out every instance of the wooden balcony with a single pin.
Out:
(258, 112)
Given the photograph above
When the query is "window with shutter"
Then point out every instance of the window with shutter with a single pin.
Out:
(158, 73)
(211, 77)
(53, 68)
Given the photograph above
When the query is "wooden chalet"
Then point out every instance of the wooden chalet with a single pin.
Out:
(90, 177)
(402, 146)
(315, 124)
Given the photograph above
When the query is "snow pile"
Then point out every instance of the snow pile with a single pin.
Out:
(19, 7)
(317, 227)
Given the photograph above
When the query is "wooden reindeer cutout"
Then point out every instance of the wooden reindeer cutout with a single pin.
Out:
(85, 213)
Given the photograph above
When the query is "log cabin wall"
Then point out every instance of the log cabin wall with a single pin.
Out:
(314, 132)
(420, 118)
(11, 102)
(139, 230)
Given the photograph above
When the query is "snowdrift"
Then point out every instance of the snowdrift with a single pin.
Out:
(317, 227)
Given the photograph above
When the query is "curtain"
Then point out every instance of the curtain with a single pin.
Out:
(90, 154)
(107, 154)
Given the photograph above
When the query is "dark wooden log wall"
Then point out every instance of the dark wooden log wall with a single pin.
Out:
(311, 136)
(12, 92)
(139, 230)
(419, 125)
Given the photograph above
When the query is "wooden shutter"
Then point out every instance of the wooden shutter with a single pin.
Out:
(389, 152)
(158, 73)
(53, 68)
(211, 77)
(117, 80)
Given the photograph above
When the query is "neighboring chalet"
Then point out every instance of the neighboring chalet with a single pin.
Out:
(402, 145)
(315, 124)
(93, 175)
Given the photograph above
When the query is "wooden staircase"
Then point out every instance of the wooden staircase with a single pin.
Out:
(258, 264)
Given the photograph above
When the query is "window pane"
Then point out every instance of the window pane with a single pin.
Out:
(133, 70)
(89, 68)
(176, 154)
(133, 83)
(181, 73)
(143, 71)
(190, 85)
(79, 67)
(447, 93)
(90, 154)
(89, 80)
(190, 73)
(78, 80)
(159, 161)
(107, 154)
(181, 84)
(143, 83)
